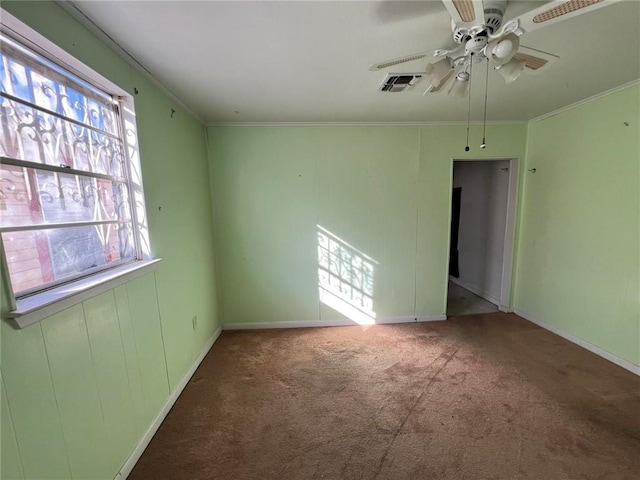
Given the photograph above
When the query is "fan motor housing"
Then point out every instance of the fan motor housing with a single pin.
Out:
(493, 15)
(493, 20)
(475, 44)
(459, 34)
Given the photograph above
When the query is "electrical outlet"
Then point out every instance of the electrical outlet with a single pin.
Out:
(194, 321)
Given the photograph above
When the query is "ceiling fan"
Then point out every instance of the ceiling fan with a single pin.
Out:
(480, 33)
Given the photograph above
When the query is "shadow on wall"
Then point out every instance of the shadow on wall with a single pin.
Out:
(345, 278)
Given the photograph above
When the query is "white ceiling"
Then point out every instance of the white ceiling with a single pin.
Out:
(300, 61)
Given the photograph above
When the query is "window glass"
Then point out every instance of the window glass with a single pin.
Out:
(65, 206)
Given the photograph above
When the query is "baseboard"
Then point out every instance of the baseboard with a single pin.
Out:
(412, 319)
(330, 323)
(472, 289)
(612, 357)
(153, 428)
(431, 318)
(293, 324)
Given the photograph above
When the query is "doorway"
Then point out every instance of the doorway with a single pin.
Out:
(483, 197)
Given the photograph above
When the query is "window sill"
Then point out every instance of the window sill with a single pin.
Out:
(37, 307)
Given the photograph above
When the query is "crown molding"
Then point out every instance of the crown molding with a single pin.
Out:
(78, 14)
(357, 124)
(619, 88)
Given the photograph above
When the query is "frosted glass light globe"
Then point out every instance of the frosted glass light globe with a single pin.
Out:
(503, 48)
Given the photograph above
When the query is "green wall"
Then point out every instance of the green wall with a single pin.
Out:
(79, 389)
(579, 262)
(383, 190)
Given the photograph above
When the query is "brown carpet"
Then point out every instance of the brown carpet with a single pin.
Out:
(481, 397)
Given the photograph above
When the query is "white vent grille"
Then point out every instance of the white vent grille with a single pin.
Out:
(400, 82)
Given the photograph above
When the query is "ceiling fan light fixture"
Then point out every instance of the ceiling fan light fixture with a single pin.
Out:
(460, 86)
(512, 70)
(436, 72)
(502, 50)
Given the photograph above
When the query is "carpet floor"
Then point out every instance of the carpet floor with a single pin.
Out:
(481, 397)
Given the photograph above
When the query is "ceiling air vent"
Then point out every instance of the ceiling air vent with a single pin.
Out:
(400, 82)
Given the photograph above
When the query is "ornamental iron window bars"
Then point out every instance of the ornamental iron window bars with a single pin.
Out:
(69, 197)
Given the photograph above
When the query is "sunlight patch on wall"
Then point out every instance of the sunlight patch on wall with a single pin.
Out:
(345, 278)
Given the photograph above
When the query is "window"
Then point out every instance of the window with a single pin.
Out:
(71, 199)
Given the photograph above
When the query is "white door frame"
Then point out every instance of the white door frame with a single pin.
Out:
(506, 304)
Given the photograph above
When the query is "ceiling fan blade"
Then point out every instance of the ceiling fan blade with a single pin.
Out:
(397, 61)
(465, 12)
(557, 11)
(535, 60)
(440, 86)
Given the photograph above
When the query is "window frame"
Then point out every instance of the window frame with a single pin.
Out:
(33, 305)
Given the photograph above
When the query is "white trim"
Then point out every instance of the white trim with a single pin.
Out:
(35, 308)
(619, 88)
(612, 357)
(412, 319)
(110, 42)
(508, 250)
(431, 318)
(153, 428)
(294, 324)
(331, 323)
(359, 124)
(472, 289)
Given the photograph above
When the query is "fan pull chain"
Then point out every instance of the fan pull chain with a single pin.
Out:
(466, 149)
(484, 122)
